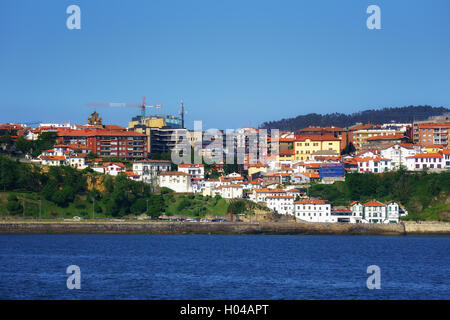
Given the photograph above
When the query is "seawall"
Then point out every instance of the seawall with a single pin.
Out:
(12, 227)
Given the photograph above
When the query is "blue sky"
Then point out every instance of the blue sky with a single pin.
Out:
(234, 63)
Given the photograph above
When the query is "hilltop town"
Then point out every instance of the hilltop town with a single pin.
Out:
(313, 176)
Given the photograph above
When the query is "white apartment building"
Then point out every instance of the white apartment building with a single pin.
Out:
(260, 195)
(430, 161)
(195, 170)
(148, 170)
(230, 191)
(398, 153)
(375, 164)
(313, 211)
(281, 204)
(175, 180)
(77, 160)
(375, 212)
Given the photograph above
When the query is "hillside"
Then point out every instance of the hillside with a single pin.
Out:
(375, 116)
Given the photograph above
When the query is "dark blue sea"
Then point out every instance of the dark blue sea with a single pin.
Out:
(224, 266)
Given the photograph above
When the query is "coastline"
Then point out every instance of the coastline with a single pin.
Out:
(275, 228)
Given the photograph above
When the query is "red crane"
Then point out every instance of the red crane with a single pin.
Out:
(124, 104)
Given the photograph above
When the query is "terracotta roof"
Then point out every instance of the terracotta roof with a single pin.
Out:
(152, 161)
(173, 173)
(190, 165)
(308, 201)
(354, 202)
(131, 174)
(107, 164)
(60, 158)
(279, 197)
(266, 190)
(229, 186)
(427, 155)
(388, 137)
(403, 145)
(299, 137)
(374, 203)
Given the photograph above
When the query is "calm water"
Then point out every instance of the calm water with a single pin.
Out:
(223, 267)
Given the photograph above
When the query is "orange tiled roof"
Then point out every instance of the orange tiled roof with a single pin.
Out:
(427, 155)
(374, 203)
(388, 137)
(309, 201)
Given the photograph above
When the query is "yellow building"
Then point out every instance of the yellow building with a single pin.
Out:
(257, 167)
(433, 148)
(305, 145)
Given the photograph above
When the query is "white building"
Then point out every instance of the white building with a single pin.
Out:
(281, 204)
(77, 160)
(375, 212)
(431, 161)
(398, 152)
(175, 180)
(148, 170)
(230, 191)
(374, 164)
(260, 195)
(113, 168)
(313, 211)
(446, 154)
(195, 170)
(53, 160)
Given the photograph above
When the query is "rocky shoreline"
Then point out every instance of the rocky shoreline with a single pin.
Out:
(281, 228)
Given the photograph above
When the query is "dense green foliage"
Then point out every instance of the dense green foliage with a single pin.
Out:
(45, 141)
(63, 192)
(425, 195)
(378, 116)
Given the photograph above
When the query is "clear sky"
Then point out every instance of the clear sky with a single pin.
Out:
(235, 63)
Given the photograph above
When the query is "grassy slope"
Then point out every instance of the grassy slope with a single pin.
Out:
(211, 207)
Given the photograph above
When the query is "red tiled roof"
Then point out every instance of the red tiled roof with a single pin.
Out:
(279, 197)
(427, 155)
(308, 201)
(374, 203)
(173, 173)
(299, 137)
(388, 137)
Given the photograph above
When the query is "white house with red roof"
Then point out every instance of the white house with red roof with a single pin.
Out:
(283, 204)
(446, 154)
(195, 170)
(149, 169)
(429, 161)
(260, 195)
(230, 191)
(375, 212)
(111, 168)
(373, 164)
(398, 152)
(313, 210)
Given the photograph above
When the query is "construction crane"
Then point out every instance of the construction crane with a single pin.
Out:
(143, 106)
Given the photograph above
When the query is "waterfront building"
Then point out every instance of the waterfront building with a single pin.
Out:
(375, 212)
(313, 210)
(281, 204)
